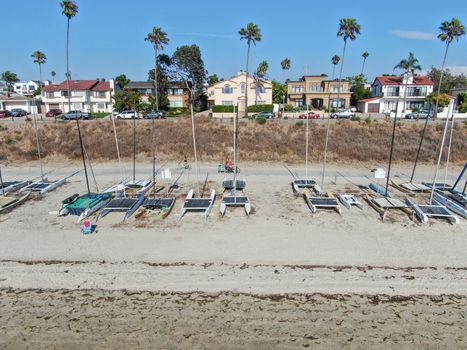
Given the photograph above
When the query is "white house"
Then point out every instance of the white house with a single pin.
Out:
(233, 91)
(26, 88)
(86, 96)
(17, 101)
(388, 94)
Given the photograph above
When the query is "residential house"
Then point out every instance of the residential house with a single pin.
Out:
(234, 90)
(86, 95)
(26, 88)
(455, 93)
(178, 93)
(388, 94)
(17, 101)
(319, 92)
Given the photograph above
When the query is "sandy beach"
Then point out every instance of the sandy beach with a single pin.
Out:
(282, 278)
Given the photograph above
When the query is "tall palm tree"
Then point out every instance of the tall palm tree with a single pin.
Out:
(252, 34)
(335, 61)
(409, 65)
(70, 10)
(158, 39)
(9, 78)
(285, 65)
(261, 73)
(53, 74)
(365, 56)
(348, 29)
(40, 59)
(449, 30)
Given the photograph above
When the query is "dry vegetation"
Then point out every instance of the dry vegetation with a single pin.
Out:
(275, 141)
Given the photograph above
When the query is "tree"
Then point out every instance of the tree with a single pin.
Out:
(358, 89)
(164, 76)
(122, 80)
(40, 59)
(365, 56)
(260, 74)
(449, 82)
(443, 99)
(335, 61)
(462, 102)
(53, 74)
(188, 65)
(252, 34)
(279, 91)
(127, 100)
(9, 78)
(213, 79)
(285, 65)
(409, 65)
(70, 10)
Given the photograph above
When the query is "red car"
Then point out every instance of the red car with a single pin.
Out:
(53, 113)
(309, 115)
(5, 114)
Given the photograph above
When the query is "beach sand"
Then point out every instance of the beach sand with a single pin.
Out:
(233, 281)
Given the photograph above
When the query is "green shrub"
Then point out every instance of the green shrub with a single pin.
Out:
(261, 120)
(355, 119)
(8, 141)
(285, 118)
(368, 120)
(289, 108)
(260, 108)
(176, 111)
(299, 123)
(222, 109)
(99, 115)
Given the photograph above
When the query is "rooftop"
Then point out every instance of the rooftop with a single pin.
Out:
(397, 80)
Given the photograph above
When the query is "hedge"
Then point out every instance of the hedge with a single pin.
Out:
(260, 108)
(222, 109)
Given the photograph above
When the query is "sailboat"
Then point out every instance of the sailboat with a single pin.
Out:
(133, 192)
(454, 199)
(235, 199)
(10, 198)
(11, 186)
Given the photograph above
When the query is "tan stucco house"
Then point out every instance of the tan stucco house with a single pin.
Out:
(318, 91)
(233, 91)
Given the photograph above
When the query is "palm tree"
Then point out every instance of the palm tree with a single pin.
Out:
(70, 10)
(448, 32)
(335, 61)
(158, 39)
(409, 65)
(348, 29)
(53, 74)
(40, 59)
(365, 56)
(285, 65)
(261, 73)
(252, 34)
(9, 78)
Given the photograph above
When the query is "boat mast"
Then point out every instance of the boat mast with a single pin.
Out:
(235, 148)
(1, 179)
(420, 144)
(306, 143)
(118, 148)
(134, 149)
(38, 143)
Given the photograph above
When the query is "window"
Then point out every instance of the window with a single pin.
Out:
(260, 89)
(314, 87)
(49, 94)
(77, 106)
(416, 91)
(338, 103)
(415, 105)
(227, 89)
(227, 103)
(78, 93)
(31, 88)
(242, 88)
(336, 88)
(101, 105)
(259, 102)
(297, 88)
(390, 106)
(175, 104)
(65, 93)
(100, 94)
(299, 102)
(392, 91)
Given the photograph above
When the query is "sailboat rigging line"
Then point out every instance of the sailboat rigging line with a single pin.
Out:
(449, 150)
(80, 143)
(204, 185)
(294, 176)
(194, 140)
(90, 167)
(118, 148)
(1, 178)
(348, 180)
(391, 153)
(134, 149)
(171, 187)
(38, 142)
(153, 151)
(421, 143)
(306, 144)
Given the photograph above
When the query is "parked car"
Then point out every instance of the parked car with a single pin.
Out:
(18, 112)
(155, 115)
(309, 115)
(127, 115)
(266, 115)
(343, 114)
(419, 115)
(53, 113)
(73, 115)
(5, 114)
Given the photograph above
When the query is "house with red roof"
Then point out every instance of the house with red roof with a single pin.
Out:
(83, 95)
(388, 93)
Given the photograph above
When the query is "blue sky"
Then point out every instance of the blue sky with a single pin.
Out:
(107, 35)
